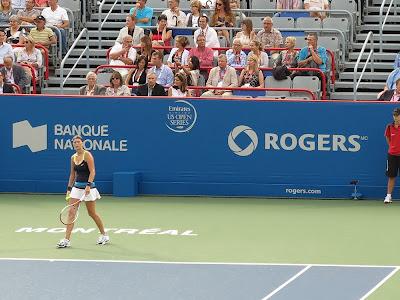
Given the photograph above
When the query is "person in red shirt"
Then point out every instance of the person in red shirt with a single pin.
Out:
(392, 134)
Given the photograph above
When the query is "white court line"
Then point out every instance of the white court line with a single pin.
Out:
(193, 262)
(283, 285)
(380, 284)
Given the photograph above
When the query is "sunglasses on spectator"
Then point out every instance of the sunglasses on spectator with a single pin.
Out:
(114, 78)
(219, 4)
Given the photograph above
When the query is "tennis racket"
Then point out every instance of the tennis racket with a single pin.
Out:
(69, 214)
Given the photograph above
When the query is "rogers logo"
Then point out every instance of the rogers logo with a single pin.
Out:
(250, 133)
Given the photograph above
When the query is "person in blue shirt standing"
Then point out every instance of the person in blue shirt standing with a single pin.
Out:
(143, 13)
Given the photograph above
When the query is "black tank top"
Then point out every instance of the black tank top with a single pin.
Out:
(82, 172)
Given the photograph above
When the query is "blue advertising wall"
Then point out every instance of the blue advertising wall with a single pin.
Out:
(198, 147)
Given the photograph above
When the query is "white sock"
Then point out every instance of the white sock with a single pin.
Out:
(389, 195)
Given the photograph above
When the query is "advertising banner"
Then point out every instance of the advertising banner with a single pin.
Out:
(198, 147)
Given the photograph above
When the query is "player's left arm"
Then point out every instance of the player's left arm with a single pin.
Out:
(90, 161)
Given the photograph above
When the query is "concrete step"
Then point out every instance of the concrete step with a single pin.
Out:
(371, 85)
(93, 52)
(385, 46)
(72, 81)
(94, 43)
(377, 65)
(375, 19)
(82, 62)
(381, 76)
(57, 91)
(391, 37)
(76, 72)
(350, 96)
(114, 25)
(377, 56)
(108, 34)
(375, 10)
(376, 27)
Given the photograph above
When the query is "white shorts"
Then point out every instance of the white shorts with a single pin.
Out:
(78, 194)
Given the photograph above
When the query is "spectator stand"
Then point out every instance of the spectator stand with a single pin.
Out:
(254, 92)
(101, 23)
(85, 51)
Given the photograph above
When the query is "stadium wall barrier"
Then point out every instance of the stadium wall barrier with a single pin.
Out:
(198, 146)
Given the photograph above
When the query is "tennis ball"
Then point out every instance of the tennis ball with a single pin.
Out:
(67, 197)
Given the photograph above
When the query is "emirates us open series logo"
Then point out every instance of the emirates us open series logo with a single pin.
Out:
(181, 116)
(253, 140)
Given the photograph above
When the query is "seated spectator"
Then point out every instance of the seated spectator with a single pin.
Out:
(205, 55)
(18, 4)
(289, 4)
(131, 29)
(5, 48)
(5, 88)
(223, 17)
(288, 57)
(161, 36)
(6, 12)
(151, 88)
(209, 4)
(270, 37)
(235, 7)
(179, 55)
(28, 15)
(209, 33)
(117, 87)
(164, 74)
(146, 48)
(392, 95)
(192, 72)
(315, 7)
(123, 55)
(236, 56)
(92, 88)
(192, 18)
(143, 13)
(179, 89)
(258, 50)
(251, 75)
(43, 35)
(175, 17)
(138, 75)
(41, 3)
(14, 74)
(57, 17)
(15, 34)
(391, 81)
(312, 56)
(221, 76)
(247, 34)
(29, 55)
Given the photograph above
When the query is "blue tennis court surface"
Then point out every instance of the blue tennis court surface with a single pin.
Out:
(80, 279)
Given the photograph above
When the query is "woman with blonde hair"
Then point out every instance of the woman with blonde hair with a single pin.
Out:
(29, 55)
(179, 55)
(146, 48)
(257, 49)
(117, 87)
(247, 34)
(288, 57)
(192, 18)
(251, 75)
(179, 89)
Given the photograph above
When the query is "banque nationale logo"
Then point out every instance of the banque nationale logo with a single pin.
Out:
(181, 116)
(250, 133)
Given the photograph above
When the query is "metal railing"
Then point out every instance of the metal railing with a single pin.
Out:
(383, 22)
(101, 24)
(85, 51)
(356, 83)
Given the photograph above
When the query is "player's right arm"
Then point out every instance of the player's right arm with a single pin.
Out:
(71, 179)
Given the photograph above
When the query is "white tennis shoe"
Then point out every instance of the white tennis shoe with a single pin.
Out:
(64, 243)
(388, 199)
(103, 239)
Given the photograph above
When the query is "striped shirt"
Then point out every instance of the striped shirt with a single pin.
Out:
(41, 36)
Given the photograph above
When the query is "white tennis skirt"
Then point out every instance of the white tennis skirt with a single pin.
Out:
(79, 193)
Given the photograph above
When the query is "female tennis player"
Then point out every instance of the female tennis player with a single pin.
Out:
(81, 186)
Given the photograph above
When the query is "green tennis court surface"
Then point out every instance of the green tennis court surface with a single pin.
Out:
(295, 233)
